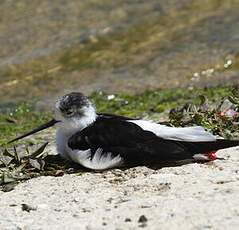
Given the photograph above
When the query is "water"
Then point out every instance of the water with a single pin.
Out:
(52, 47)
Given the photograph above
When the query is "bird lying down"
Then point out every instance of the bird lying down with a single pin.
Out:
(103, 141)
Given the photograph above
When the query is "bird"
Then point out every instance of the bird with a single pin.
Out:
(101, 141)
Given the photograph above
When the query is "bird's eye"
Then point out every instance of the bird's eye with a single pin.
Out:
(69, 113)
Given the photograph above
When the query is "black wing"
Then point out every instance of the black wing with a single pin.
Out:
(137, 146)
(132, 143)
(108, 115)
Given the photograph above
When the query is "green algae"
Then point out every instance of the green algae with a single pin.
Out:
(154, 46)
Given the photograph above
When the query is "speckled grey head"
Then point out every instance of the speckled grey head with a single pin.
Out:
(73, 104)
(73, 112)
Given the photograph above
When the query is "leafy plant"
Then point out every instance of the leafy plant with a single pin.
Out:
(216, 109)
(221, 118)
(16, 166)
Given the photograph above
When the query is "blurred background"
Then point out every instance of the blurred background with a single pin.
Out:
(170, 61)
(50, 47)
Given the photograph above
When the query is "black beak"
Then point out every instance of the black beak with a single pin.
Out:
(41, 127)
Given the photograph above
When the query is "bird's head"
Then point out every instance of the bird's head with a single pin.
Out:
(73, 112)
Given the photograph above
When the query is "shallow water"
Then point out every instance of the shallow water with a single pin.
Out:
(52, 47)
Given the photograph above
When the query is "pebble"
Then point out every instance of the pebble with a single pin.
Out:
(127, 220)
(28, 208)
(142, 219)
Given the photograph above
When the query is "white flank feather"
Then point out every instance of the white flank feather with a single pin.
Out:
(201, 157)
(194, 133)
(98, 162)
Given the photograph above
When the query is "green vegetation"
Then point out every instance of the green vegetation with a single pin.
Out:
(18, 120)
(154, 104)
(150, 104)
(198, 106)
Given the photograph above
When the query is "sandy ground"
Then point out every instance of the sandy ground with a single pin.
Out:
(191, 196)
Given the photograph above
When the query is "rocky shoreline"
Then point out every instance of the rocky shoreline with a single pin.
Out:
(189, 196)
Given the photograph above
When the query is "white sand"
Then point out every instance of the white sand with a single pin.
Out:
(192, 196)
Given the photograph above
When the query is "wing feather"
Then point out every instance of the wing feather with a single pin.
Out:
(127, 140)
(124, 140)
(193, 134)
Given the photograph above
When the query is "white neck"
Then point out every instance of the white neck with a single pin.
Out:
(69, 126)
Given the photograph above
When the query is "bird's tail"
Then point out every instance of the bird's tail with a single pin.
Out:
(207, 146)
(207, 150)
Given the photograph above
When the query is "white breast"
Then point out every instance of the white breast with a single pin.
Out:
(61, 143)
(69, 126)
(99, 161)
